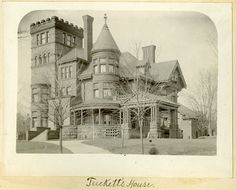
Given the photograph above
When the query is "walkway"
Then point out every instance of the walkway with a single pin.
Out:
(77, 146)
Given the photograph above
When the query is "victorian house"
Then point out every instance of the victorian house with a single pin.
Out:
(96, 91)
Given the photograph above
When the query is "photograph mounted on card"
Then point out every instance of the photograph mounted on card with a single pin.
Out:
(125, 86)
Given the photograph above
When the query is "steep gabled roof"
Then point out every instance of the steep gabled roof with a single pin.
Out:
(72, 55)
(105, 41)
(87, 72)
(127, 64)
(162, 71)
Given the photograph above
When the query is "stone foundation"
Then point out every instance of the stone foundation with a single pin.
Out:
(174, 132)
(155, 131)
(98, 131)
(126, 131)
(69, 132)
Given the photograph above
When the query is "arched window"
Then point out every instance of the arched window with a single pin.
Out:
(44, 58)
(40, 59)
(48, 57)
(68, 90)
(35, 61)
(63, 91)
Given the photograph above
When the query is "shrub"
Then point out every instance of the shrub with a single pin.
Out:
(153, 151)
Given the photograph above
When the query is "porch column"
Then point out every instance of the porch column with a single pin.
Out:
(174, 124)
(99, 116)
(93, 123)
(74, 118)
(155, 130)
(151, 114)
(81, 122)
(126, 123)
(120, 117)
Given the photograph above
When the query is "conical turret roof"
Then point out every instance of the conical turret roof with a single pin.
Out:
(105, 41)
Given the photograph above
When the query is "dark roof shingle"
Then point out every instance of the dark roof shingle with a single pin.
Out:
(72, 55)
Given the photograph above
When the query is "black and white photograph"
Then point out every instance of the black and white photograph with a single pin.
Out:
(118, 89)
(117, 82)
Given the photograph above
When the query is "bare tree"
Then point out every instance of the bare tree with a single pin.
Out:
(138, 92)
(60, 100)
(204, 100)
(136, 48)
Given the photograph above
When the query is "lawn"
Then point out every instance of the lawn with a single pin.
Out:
(38, 147)
(164, 146)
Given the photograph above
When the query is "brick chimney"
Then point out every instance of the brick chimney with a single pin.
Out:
(149, 53)
(88, 35)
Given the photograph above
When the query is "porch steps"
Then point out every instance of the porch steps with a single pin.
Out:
(43, 136)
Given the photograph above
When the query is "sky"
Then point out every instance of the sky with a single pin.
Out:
(189, 37)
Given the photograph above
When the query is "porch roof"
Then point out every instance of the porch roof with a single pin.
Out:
(147, 98)
(97, 103)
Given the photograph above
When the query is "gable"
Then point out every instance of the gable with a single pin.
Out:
(162, 71)
(177, 75)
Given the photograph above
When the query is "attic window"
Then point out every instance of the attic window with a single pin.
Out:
(175, 77)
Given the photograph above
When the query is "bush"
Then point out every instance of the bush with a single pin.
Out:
(153, 151)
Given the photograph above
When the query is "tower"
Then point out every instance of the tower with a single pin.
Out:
(50, 40)
(105, 60)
